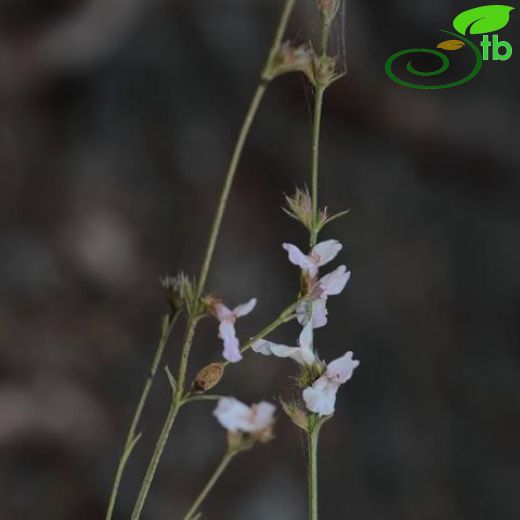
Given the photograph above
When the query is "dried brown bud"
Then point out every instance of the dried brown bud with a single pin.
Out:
(328, 9)
(324, 71)
(264, 435)
(296, 414)
(210, 302)
(208, 377)
(290, 58)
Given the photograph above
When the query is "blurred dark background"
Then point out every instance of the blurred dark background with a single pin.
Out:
(117, 119)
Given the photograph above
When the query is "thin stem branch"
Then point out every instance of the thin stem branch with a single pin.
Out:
(242, 136)
(316, 128)
(224, 463)
(312, 446)
(202, 397)
(175, 405)
(177, 399)
(285, 316)
(168, 323)
(230, 176)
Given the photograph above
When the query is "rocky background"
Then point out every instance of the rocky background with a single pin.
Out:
(116, 123)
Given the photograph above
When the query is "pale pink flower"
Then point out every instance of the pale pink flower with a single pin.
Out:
(320, 398)
(303, 354)
(320, 254)
(329, 285)
(227, 334)
(318, 289)
(236, 416)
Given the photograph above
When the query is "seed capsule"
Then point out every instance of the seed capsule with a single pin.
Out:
(208, 377)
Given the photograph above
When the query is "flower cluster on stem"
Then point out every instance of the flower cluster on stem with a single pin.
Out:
(318, 382)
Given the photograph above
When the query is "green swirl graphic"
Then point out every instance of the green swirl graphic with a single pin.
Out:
(445, 63)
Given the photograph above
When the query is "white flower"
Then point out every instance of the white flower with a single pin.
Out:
(318, 290)
(318, 312)
(227, 334)
(320, 398)
(329, 285)
(236, 416)
(320, 254)
(302, 354)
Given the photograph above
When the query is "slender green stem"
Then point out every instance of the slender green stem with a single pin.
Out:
(224, 463)
(312, 445)
(285, 316)
(315, 422)
(175, 405)
(156, 457)
(177, 399)
(324, 37)
(239, 146)
(202, 397)
(168, 323)
(217, 222)
(316, 128)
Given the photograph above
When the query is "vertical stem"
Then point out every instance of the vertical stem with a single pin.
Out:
(217, 222)
(324, 37)
(224, 463)
(242, 136)
(312, 444)
(131, 438)
(156, 457)
(165, 432)
(316, 127)
(208, 257)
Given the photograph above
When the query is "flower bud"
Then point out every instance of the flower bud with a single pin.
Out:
(208, 377)
(180, 290)
(324, 71)
(299, 207)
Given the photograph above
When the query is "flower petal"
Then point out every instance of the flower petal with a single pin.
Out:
(262, 416)
(334, 282)
(319, 313)
(326, 251)
(340, 370)
(222, 312)
(320, 398)
(268, 348)
(233, 414)
(245, 308)
(231, 345)
(296, 257)
(305, 342)
(302, 314)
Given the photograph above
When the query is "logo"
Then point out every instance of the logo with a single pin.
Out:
(478, 21)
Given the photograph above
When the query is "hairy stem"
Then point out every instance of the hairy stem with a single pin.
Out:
(312, 447)
(224, 463)
(132, 437)
(316, 128)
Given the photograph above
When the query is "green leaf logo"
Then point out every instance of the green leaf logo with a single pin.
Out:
(484, 19)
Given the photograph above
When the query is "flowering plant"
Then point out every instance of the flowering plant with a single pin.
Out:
(318, 382)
